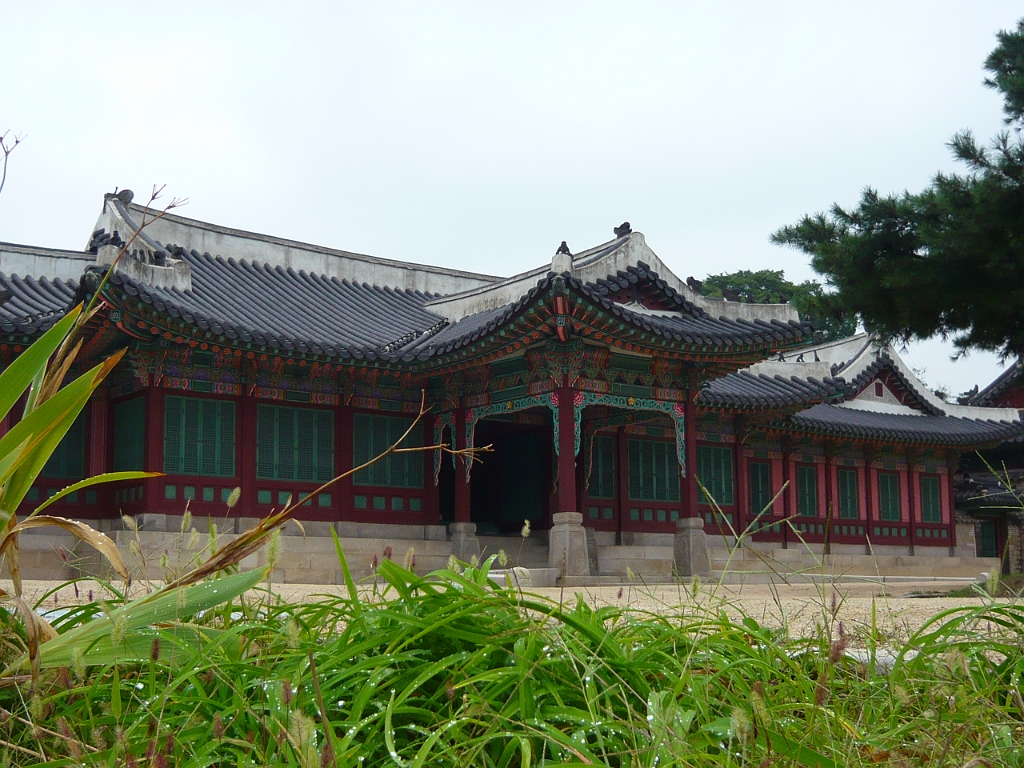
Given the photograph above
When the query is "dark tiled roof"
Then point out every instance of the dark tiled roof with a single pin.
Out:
(745, 389)
(285, 309)
(291, 310)
(945, 430)
(1003, 382)
(695, 326)
(642, 275)
(34, 304)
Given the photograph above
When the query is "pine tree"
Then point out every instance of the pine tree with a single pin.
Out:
(948, 260)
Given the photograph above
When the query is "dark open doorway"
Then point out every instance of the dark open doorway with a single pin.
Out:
(513, 483)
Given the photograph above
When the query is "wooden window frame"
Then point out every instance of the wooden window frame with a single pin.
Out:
(841, 495)
(122, 461)
(803, 469)
(596, 487)
(894, 477)
(758, 508)
(666, 463)
(382, 474)
(722, 489)
(177, 441)
(322, 465)
(937, 480)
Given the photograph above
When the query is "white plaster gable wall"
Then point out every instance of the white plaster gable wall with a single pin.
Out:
(596, 264)
(343, 265)
(29, 261)
(869, 396)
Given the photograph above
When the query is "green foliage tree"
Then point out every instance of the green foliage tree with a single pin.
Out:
(770, 286)
(948, 260)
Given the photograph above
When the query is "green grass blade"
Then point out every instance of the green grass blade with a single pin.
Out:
(17, 377)
(106, 477)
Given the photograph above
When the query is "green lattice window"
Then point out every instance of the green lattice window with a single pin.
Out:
(653, 471)
(602, 468)
(294, 444)
(371, 436)
(68, 460)
(129, 434)
(760, 477)
(714, 470)
(849, 506)
(888, 496)
(931, 500)
(807, 491)
(199, 436)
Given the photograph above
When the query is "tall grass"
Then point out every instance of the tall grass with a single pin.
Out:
(450, 669)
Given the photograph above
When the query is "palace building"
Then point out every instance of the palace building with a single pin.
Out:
(637, 425)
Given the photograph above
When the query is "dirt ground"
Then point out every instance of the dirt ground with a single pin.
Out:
(900, 608)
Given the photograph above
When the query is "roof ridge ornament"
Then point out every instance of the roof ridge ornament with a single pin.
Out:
(561, 262)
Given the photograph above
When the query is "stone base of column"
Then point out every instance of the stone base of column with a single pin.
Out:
(465, 544)
(690, 549)
(567, 545)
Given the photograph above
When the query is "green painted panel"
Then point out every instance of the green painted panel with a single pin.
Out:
(129, 434)
(888, 496)
(849, 508)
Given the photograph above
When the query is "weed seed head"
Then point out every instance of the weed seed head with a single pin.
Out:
(78, 663)
(292, 635)
(387, 552)
(117, 628)
(502, 557)
(525, 532)
(837, 649)
(274, 548)
(154, 650)
(302, 734)
(234, 497)
(410, 559)
(218, 726)
(821, 692)
(97, 738)
(193, 539)
(186, 521)
(740, 723)
(130, 524)
(758, 703)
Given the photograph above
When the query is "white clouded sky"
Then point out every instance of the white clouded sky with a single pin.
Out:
(479, 135)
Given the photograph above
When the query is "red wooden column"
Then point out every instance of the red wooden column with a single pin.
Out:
(831, 507)
(462, 488)
(787, 484)
(690, 425)
(567, 500)
(871, 494)
(913, 506)
(951, 511)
